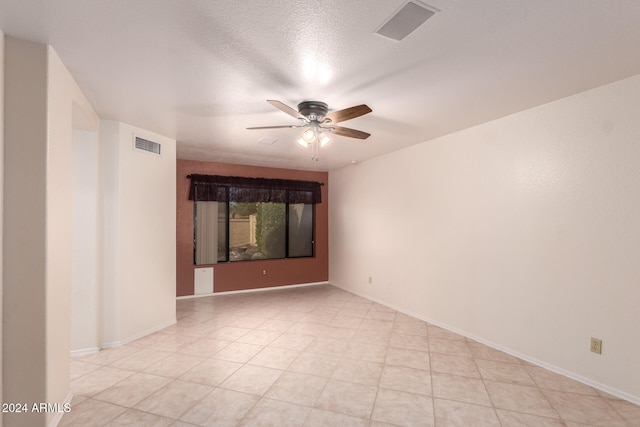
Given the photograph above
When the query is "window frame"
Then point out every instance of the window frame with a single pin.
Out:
(227, 234)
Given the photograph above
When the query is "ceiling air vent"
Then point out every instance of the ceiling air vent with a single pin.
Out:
(406, 20)
(146, 145)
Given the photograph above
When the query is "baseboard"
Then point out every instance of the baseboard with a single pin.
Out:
(138, 336)
(84, 351)
(58, 416)
(243, 291)
(612, 391)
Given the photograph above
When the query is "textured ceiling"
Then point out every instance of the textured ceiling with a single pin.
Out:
(200, 71)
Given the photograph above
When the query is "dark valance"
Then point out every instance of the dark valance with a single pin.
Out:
(240, 189)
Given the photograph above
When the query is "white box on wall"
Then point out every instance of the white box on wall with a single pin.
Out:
(203, 281)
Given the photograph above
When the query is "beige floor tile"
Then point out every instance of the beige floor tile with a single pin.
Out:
(314, 364)
(345, 322)
(320, 418)
(584, 409)
(518, 419)
(301, 389)
(453, 347)
(457, 414)
(347, 398)
(403, 409)
(372, 336)
(220, 408)
(175, 342)
(322, 355)
(109, 355)
(204, 347)
(408, 358)
(504, 372)
(173, 365)
(629, 411)
(98, 380)
(337, 333)
(259, 337)
(230, 333)
(481, 351)
(441, 333)
(412, 328)
(249, 322)
(91, 413)
(238, 352)
(367, 352)
(455, 365)
(376, 325)
(135, 418)
(211, 372)
(252, 379)
(292, 341)
(79, 368)
(273, 357)
(275, 325)
(409, 342)
(269, 413)
(514, 397)
(360, 372)
(174, 399)
(550, 380)
(461, 389)
(133, 389)
(140, 360)
(407, 380)
(329, 346)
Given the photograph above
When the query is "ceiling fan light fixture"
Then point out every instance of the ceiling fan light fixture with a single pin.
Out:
(324, 139)
(303, 143)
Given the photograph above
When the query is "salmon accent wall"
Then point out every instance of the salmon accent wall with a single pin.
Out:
(241, 275)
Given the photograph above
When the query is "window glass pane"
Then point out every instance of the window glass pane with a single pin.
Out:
(210, 232)
(256, 231)
(300, 230)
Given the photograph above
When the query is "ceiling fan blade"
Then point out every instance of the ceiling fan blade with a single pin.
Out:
(286, 109)
(348, 113)
(275, 127)
(351, 133)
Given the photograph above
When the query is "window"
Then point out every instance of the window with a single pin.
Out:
(244, 231)
(241, 219)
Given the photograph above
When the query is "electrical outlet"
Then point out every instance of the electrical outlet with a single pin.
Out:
(596, 345)
(264, 272)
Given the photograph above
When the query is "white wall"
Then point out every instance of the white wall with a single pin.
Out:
(522, 232)
(138, 209)
(84, 287)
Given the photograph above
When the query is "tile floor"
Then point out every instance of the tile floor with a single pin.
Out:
(319, 356)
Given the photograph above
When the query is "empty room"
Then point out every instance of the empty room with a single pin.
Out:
(331, 213)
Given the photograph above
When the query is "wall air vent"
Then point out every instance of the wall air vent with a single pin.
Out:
(406, 20)
(146, 145)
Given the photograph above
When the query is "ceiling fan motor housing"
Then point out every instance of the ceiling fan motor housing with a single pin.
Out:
(313, 110)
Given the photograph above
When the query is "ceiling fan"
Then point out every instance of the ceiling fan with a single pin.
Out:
(317, 123)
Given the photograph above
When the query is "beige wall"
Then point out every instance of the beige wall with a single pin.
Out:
(1, 195)
(24, 330)
(522, 232)
(38, 123)
(138, 214)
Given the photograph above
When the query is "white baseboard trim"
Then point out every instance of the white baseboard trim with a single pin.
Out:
(84, 351)
(243, 291)
(612, 391)
(58, 416)
(137, 336)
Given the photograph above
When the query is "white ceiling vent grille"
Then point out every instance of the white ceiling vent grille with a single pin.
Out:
(146, 145)
(406, 20)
